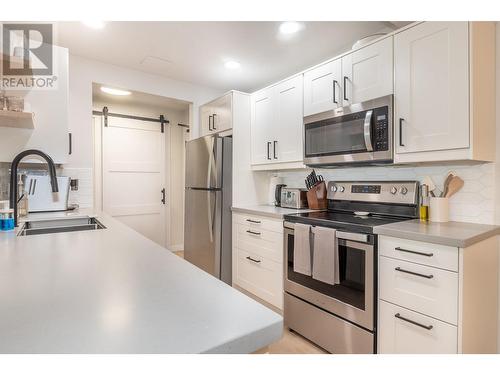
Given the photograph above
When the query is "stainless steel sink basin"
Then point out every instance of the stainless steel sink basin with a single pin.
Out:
(30, 228)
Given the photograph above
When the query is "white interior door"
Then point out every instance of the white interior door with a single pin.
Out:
(133, 171)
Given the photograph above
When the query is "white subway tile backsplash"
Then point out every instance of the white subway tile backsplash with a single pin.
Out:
(474, 203)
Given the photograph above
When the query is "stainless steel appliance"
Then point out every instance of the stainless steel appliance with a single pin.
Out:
(277, 194)
(293, 198)
(360, 133)
(341, 317)
(207, 222)
(40, 195)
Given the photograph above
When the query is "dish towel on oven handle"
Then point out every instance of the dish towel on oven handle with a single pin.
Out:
(302, 249)
(325, 256)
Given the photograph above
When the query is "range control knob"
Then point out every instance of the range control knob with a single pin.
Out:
(334, 188)
(341, 189)
(404, 190)
(394, 190)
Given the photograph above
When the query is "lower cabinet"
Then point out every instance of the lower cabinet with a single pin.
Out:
(258, 257)
(437, 299)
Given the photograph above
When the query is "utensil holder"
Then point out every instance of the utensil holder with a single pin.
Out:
(439, 209)
(316, 196)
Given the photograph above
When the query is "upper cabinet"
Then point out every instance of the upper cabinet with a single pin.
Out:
(49, 112)
(365, 74)
(216, 116)
(276, 125)
(444, 94)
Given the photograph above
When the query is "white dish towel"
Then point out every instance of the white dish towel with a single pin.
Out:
(302, 249)
(325, 256)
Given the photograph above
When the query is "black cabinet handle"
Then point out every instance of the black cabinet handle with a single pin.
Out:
(252, 232)
(399, 269)
(70, 140)
(429, 327)
(275, 143)
(213, 122)
(210, 123)
(253, 221)
(401, 132)
(334, 94)
(253, 260)
(163, 195)
(345, 88)
(413, 252)
(268, 145)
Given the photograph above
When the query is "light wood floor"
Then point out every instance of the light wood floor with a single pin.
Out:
(290, 343)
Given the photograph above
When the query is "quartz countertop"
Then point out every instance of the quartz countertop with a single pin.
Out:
(452, 233)
(114, 291)
(269, 211)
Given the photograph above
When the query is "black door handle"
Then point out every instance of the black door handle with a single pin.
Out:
(401, 132)
(345, 88)
(268, 145)
(213, 122)
(275, 143)
(252, 232)
(253, 221)
(413, 252)
(163, 195)
(429, 327)
(399, 269)
(253, 260)
(210, 122)
(334, 94)
(70, 151)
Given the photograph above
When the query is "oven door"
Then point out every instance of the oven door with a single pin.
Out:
(359, 133)
(353, 298)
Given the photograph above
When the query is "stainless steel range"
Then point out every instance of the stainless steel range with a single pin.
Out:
(330, 297)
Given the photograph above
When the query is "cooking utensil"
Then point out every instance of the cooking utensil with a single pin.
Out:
(446, 183)
(454, 185)
(430, 184)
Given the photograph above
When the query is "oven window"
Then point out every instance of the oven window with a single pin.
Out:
(351, 289)
(331, 137)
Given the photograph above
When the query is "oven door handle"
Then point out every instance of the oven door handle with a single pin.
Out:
(359, 237)
(368, 131)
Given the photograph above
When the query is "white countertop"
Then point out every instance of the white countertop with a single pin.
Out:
(114, 291)
(269, 211)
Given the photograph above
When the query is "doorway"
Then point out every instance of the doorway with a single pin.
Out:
(139, 169)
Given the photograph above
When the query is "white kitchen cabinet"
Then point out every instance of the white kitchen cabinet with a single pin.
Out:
(367, 73)
(216, 116)
(276, 124)
(258, 257)
(50, 116)
(444, 95)
(435, 302)
(323, 88)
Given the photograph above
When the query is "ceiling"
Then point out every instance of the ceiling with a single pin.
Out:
(196, 51)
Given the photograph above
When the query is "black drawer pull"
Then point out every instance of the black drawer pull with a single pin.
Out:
(429, 327)
(253, 221)
(252, 232)
(413, 252)
(414, 273)
(253, 260)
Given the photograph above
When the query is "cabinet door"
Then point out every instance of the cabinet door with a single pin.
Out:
(261, 127)
(287, 141)
(222, 118)
(323, 88)
(206, 120)
(432, 87)
(368, 73)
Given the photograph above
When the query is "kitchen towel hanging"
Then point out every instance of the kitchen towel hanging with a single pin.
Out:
(325, 256)
(302, 249)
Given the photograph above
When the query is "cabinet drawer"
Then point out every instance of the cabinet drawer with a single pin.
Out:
(260, 242)
(422, 335)
(428, 290)
(259, 222)
(260, 276)
(430, 254)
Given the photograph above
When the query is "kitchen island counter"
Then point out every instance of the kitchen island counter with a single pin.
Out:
(114, 291)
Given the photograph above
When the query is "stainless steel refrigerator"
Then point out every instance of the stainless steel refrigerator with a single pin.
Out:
(207, 223)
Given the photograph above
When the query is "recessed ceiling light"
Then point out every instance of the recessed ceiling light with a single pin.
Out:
(112, 91)
(94, 24)
(231, 64)
(290, 27)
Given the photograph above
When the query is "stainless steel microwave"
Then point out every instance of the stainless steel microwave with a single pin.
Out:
(359, 134)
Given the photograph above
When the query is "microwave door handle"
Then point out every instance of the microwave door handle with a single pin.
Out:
(368, 131)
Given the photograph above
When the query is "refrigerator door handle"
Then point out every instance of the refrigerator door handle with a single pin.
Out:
(210, 215)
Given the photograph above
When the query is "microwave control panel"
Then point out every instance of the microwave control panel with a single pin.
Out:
(381, 129)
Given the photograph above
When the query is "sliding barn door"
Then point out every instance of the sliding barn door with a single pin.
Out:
(133, 154)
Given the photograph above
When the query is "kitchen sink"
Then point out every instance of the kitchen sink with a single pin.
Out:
(30, 228)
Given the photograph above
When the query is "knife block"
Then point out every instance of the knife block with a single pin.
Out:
(316, 197)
